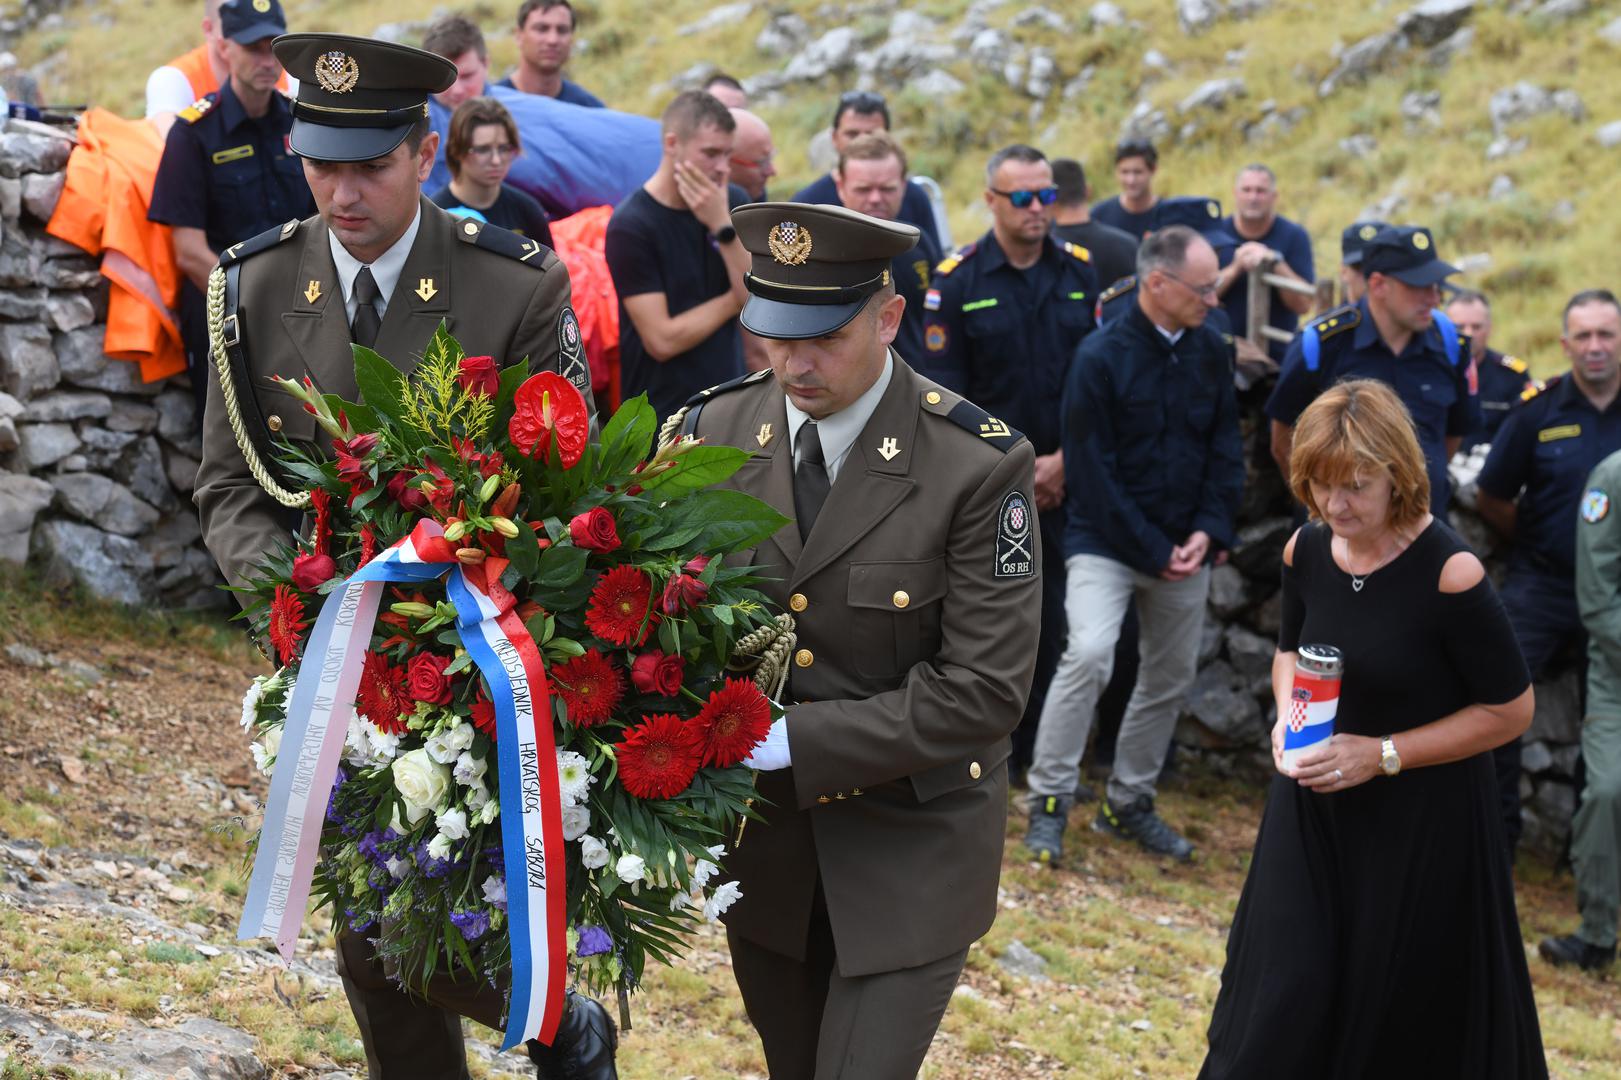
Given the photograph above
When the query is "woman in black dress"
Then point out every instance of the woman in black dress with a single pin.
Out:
(1376, 935)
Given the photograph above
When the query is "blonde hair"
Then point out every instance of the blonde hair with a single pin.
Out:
(1354, 427)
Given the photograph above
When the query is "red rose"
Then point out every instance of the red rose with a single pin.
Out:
(657, 672)
(400, 490)
(425, 679)
(547, 409)
(594, 530)
(697, 565)
(683, 591)
(310, 569)
(479, 375)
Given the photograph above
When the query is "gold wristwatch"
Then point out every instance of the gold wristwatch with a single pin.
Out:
(1389, 760)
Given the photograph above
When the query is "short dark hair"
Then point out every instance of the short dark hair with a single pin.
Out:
(694, 109)
(1070, 177)
(418, 132)
(1166, 249)
(1017, 152)
(1585, 297)
(873, 146)
(1142, 148)
(454, 35)
(865, 102)
(470, 115)
(529, 7)
(720, 78)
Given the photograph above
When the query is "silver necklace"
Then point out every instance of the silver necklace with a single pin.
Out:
(1359, 580)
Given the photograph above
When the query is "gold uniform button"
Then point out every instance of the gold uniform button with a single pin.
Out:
(900, 598)
(932, 398)
(798, 602)
(823, 799)
(839, 795)
(804, 658)
(974, 769)
(273, 422)
(855, 791)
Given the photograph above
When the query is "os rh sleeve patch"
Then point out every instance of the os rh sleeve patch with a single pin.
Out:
(1015, 555)
(571, 353)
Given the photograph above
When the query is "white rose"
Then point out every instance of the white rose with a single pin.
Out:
(421, 782)
(631, 868)
(593, 853)
(469, 769)
(576, 819)
(439, 846)
(723, 898)
(452, 824)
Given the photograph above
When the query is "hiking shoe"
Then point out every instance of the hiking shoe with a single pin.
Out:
(1571, 949)
(584, 1046)
(1045, 837)
(1138, 821)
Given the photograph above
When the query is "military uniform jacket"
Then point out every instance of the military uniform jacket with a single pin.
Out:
(917, 597)
(500, 295)
(1598, 585)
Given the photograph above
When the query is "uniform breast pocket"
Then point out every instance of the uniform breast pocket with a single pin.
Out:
(895, 615)
(1436, 398)
(284, 415)
(991, 322)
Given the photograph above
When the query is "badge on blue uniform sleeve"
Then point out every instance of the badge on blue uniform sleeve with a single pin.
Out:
(1595, 506)
(1015, 554)
(571, 353)
(934, 337)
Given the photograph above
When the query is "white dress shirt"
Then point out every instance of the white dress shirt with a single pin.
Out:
(840, 431)
(385, 271)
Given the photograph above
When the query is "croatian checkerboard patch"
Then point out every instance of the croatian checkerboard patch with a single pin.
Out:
(1015, 537)
(571, 353)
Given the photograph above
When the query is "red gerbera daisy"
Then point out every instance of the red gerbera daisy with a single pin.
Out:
(732, 722)
(381, 698)
(619, 612)
(590, 687)
(659, 758)
(368, 544)
(286, 622)
(483, 714)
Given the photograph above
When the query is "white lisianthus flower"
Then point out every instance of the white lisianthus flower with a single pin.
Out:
(421, 782)
(438, 747)
(631, 868)
(593, 853)
(460, 737)
(488, 812)
(452, 824)
(469, 769)
(576, 819)
(266, 749)
(439, 846)
(573, 777)
(384, 747)
(477, 796)
(722, 898)
(495, 890)
(397, 867)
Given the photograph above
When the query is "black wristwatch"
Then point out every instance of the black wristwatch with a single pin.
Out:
(726, 235)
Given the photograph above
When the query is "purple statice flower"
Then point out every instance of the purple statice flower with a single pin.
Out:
(432, 867)
(594, 940)
(370, 846)
(332, 799)
(472, 924)
(359, 921)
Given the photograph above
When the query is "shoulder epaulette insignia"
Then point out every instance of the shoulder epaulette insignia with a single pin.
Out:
(1338, 321)
(265, 240)
(1532, 389)
(501, 241)
(1515, 364)
(954, 260)
(1119, 288)
(196, 110)
(971, 418)
(731, 384)
(1078, 251)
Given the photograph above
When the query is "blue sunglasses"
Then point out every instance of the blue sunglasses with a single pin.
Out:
(1023, 198)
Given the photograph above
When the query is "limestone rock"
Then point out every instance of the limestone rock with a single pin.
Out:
(105, 503)
(181, 471)
(22, 304)
(1019, 960)
(1612, 31)
(1145, 122)
(11, 198)
(1104, 15)
(1558, 718)
(22, 498)
(1209, 641)
(58, 405)
(73, 272)
(1196, 16)
(195, 1048)
(782, 35)
(177, 415)
(905, 50)
(40, 192)
(717, 18)
(85, 364)
(70, 311)
(833, 51)
(1560, 10)
(1434, 21)
(1214, 94)
(1452, 48)
(132, 416)
(1504, 146)
(1421, 109)
(1609, 136)
(936, 85)
(1525, 100)
(1361, 146)
(45, 444)
(1535, 758)
(22, 153)
(1228, 594)
(1250, 654)
(142, 469)
(1259, 553)
(27, 365)
(111, 567)
(1040, 74)
(1044, 18)
(1220, 701)
(1367, 57)
(1503, 187)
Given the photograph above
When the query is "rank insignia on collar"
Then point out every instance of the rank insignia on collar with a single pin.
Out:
(337, 72)
(790, 243)
(312, 292)
(1014, 558)
(763, 437)
(426, 290)
(890, 449)
(1595, 506)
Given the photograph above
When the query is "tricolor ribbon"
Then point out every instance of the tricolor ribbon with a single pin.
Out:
(318, 712)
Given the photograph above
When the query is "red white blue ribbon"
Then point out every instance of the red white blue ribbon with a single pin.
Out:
(318, 712)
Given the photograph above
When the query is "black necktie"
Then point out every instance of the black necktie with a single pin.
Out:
(810, 478)
(367, 321)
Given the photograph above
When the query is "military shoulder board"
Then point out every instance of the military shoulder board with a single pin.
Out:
(954, 260)
(1078, 251)
(265, 240)
(502, 241)
(196, 110)
(731, 384)
(1118, 289)
(1515, 364)
(972, 419)
(1337, 321)
(1532, 389)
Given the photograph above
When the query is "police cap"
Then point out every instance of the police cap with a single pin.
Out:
(1354, 240)
(248, 21)
(357, 98)
(814, 266)
(1198, 213)
(1406, 253)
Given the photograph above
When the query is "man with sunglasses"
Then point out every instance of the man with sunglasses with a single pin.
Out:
(1001, 321)
(861, 112)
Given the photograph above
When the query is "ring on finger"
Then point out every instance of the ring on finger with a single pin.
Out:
(1339, 774)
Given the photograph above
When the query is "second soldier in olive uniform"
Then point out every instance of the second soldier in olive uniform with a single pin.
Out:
(379, 266)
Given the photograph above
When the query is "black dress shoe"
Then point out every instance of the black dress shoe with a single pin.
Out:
(1571, 949)
(584, 1046)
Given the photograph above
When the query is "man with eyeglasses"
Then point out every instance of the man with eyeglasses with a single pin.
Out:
(1155, 475)
(861, 112)
(753, 154)
(1001, 321)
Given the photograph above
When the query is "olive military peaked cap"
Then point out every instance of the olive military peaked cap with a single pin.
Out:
(814, 266)
(357, 98)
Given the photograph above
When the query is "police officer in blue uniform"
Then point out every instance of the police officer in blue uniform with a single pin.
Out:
(1531, 488)
(1002, 319)
(1393, 334)
(1500, 379)
(1353, 245)
(227, 172)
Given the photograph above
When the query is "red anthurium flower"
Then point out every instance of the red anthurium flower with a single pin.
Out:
(478, 375)
(590, 687)
(659, 758)
(733, 722)
(547, 410)
(618, 612)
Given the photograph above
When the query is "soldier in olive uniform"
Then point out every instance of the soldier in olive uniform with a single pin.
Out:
(913, 568)
(379, 266)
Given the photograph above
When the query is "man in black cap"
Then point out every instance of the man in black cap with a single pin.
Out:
(1394, 334)
(912, 567)
(227, 173)
(1353, 243)
(379, 266)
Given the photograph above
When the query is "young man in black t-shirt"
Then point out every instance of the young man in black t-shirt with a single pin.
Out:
(677, 265)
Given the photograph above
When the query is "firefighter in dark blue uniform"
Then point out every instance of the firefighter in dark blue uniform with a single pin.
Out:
(1002, 319)
(227, 172)
(1395, 335)
(1530, 491)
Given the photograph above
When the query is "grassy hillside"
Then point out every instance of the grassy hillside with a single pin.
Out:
(1539, 251)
